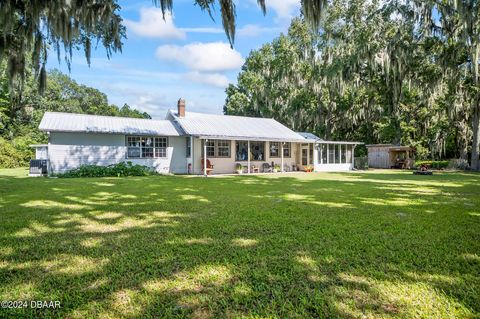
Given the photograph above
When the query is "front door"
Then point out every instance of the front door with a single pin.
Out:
(304, 155)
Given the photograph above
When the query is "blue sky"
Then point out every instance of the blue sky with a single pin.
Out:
(187, 56)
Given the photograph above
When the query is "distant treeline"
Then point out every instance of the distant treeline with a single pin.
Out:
(20, 114)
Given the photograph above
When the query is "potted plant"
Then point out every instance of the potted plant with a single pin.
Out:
(239, 168)
(276, 168)
(309, 169)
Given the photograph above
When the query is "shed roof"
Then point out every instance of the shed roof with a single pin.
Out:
(390, 147)
(235, 127)
(71, 122)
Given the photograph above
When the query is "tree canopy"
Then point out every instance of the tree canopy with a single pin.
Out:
(372, 73)
(19, 119)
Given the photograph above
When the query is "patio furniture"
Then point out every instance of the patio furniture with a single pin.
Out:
(266, 168)
(209, 166)
(255, 169)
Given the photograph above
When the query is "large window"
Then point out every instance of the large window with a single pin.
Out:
(337, 153)
(349, 153)
(286, 149)
(210, 148)
(223, 148)
(241, 153)
(146, 147)
(218, 148)
(275, 149)
(323, 148)
(188, 146)
(331, 153)
(257, 151)
(344, 154)
(133, 147)
(161, 146)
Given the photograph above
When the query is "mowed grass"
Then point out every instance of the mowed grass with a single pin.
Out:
(350, 245)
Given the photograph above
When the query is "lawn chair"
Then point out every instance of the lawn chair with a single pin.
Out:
(209, 166)
(266, 168)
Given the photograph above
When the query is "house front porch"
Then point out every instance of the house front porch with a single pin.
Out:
(220, 156)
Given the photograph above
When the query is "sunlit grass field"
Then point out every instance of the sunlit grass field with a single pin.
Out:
(350, 245)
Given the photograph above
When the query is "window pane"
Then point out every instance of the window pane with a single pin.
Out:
(331, 153)
(210, 148)
(344, 153)
(147, 147)
(133, 152)
(274, 149)
(160, 147)
(286, 150)
(133, 146)
(188, 149)
(337, 153)
(223, 148)
(257, 150)
(349, 154)
(241, 150)
(323, 148)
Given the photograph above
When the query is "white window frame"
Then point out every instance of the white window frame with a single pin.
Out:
(162, 150)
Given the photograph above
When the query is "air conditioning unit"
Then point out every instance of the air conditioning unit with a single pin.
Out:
(38, 167)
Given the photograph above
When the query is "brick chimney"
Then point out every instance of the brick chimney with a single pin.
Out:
(181, 107)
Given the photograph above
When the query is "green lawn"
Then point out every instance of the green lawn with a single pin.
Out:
(370, 244)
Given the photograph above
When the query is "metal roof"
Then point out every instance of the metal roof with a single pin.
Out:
(72, 122)
(309, 136)
(235, 127)
(390, 147)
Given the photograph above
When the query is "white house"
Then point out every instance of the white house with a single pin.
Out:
(179, 143)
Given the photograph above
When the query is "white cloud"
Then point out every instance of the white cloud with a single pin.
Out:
(213, 79)
(254, 30)
(248, 30)
(153, 25)
(203, 30)
(212, 56)
(284, 9)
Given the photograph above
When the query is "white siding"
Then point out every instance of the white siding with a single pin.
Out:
(70, 150)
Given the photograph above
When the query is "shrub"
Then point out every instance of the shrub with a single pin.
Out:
(432, 164)
(457, 163)
(115, 170)
(361, 162)
(10, 157)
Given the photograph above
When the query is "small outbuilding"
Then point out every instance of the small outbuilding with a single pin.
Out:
(390, 156)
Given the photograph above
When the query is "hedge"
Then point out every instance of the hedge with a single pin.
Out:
(114, 170)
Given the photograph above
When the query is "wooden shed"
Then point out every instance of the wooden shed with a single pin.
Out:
(390, 156)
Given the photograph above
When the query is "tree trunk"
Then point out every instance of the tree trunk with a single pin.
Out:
(475, 165)
(398, 131)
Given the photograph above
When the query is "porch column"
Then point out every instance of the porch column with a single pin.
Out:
(205, 158)
(316, 153)
(353, 156)
(308, 154)
(248, 157)
(192, 158)
(328, 154)
(281, 156)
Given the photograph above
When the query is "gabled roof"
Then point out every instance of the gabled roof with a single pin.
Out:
(72, 122)
(235, 127)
